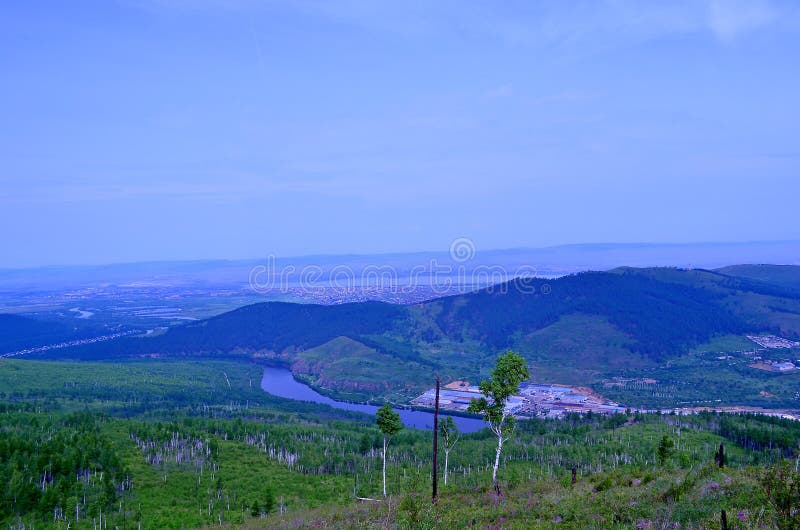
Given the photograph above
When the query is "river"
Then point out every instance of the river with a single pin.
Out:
(279, 382)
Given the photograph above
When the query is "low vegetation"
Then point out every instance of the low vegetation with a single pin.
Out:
(173, 445)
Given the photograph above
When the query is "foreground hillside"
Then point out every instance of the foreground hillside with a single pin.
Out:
(592, 329)
(154, 445)
(620, 499)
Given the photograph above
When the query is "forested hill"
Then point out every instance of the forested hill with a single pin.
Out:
(272, 326)
(660, 317)
(660, 312)
(19, 332)
(787, 276)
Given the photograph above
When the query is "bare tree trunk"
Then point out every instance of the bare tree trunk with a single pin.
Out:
(435, 476)
(384, 466)
(446, 457)
(497, 462)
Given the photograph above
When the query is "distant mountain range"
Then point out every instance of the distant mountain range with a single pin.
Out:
(545, 261)
(126, 297)
(574, 328)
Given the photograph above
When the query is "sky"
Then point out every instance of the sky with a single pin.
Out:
(143, 130)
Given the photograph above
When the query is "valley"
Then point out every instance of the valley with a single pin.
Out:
(685, 332)
(264, 416)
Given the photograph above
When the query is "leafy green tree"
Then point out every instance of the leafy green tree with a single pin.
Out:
(665, 449)
(389, 423)
(448, 430)
(509, 371)
(269, 501)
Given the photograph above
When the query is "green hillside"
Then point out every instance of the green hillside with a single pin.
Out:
(599, 345)
(349, 370)
(585, 329)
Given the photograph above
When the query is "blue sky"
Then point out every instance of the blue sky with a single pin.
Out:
(155, 129)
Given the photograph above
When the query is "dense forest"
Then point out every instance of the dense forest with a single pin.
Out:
(60, 466)
(662, 318)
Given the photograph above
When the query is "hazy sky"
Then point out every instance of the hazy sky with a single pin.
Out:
(158, 129)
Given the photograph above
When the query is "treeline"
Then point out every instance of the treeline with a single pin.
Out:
(57, 468)
(154, 389)
(762, 433)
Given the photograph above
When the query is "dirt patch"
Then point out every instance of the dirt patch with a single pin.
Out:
(761, 366)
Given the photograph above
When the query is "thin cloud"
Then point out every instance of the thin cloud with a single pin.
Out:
(729, 18)
(596, 24)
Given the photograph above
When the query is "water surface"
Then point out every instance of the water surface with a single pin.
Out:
(279, 382)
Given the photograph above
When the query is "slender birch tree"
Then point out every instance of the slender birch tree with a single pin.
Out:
(449, 433)
(509, 371)
(389, 423)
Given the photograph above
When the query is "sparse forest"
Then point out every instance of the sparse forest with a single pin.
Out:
(186, 456)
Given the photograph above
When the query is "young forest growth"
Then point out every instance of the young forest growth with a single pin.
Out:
(509, 371)
(449, 432)
(171, 445)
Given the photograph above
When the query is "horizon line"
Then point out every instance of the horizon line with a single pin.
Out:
(396, 253)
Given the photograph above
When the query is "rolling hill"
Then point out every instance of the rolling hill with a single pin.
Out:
(18, 332)
(580, 329)
(659, 317)
(782, 275)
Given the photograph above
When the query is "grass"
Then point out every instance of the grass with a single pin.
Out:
(619, 499)
(726, 344)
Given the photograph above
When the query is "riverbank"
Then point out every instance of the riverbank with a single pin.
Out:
(280, 382)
